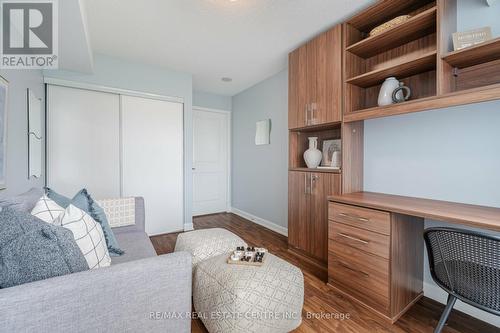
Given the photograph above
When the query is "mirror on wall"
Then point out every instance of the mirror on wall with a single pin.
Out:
(263, 132)
(34, 135)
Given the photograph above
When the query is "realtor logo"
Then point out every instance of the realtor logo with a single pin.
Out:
(29, 34)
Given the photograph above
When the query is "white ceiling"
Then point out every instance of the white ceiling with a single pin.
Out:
(247, 40)
(75, 52)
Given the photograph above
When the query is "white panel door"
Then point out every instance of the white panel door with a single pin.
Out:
(152, 135)
(210, 162)
(83, 142)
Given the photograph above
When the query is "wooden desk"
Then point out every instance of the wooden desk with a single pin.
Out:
(376, 246)
(451, 212)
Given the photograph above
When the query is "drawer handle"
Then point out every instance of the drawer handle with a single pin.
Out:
(352, 217)
(352, 269)
(353, 238)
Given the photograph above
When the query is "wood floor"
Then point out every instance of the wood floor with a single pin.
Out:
(320, 299)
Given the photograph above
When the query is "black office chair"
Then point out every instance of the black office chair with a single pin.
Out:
(466, 264)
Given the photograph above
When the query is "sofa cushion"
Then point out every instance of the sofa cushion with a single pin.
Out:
(85, 202)
(136, 245)
(47, 210)
(88, 235)
(23, 202)
(32, 250)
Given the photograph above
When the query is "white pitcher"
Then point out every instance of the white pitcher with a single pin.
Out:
(385, 95)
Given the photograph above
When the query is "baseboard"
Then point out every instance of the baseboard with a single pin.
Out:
(439, 295)
(260, 221)
(188, 227)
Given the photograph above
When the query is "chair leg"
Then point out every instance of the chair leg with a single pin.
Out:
(446, 313)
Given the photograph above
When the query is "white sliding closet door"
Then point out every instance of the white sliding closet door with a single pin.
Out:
(83, 141)
(152, 134)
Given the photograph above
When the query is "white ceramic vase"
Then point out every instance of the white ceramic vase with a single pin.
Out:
(313, 155)
(385, 95)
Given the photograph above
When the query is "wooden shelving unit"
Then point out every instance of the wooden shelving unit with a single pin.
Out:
(320, 170)
(408, 52)
(474, 95)
(299, 143)
(419, 53)
(475, 55)
(403, 68)
(416, 27)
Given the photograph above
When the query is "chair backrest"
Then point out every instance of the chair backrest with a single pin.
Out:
(467, 265)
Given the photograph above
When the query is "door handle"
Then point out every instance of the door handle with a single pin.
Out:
(307, 113)
(356, 218)
(307, 187)
(353, 238)
(313, 113)
(305, 183)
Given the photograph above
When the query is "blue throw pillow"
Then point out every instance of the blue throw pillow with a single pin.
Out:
(32, 250)
(84, 201)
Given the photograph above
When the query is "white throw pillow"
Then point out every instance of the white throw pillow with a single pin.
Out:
(47, 210)
(88, 236)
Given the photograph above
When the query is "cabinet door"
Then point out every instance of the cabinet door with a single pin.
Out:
(297, 88)
(299, 210)
(322, 185)
(327, 75)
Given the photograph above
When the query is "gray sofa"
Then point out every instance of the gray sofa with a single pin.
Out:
(140, 292)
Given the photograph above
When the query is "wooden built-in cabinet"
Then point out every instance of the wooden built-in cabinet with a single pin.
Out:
(371, 255)
(315, 81)
(308, 212)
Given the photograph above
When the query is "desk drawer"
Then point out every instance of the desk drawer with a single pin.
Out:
(364, 218)
(361, 239)
(364, 276)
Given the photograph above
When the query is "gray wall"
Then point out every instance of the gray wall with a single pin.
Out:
(212, 101)
(17, 129)
(259, 179)
(117, 73)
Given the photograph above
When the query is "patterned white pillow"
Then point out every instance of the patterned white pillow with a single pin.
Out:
(88, 236)
(47, 210)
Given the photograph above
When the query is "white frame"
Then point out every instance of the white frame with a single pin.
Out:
(229, 148)
(117, 91)
(3, 182)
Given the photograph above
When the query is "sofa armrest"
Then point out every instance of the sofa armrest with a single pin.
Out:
(137, 296)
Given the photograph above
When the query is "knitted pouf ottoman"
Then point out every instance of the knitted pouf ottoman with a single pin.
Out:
(207, 243)
(236, 298)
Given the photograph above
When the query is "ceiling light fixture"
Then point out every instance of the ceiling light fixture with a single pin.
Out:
(226, 79)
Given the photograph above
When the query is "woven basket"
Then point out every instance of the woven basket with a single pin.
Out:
(387, 25)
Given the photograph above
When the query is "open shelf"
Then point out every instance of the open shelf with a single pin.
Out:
(420, 64)
(475, 95)
(320, 127)
(299, 143)
(474, 55)
(316, 170)
(416, 27)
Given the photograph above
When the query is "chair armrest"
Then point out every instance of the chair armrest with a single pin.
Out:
(125, 297)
